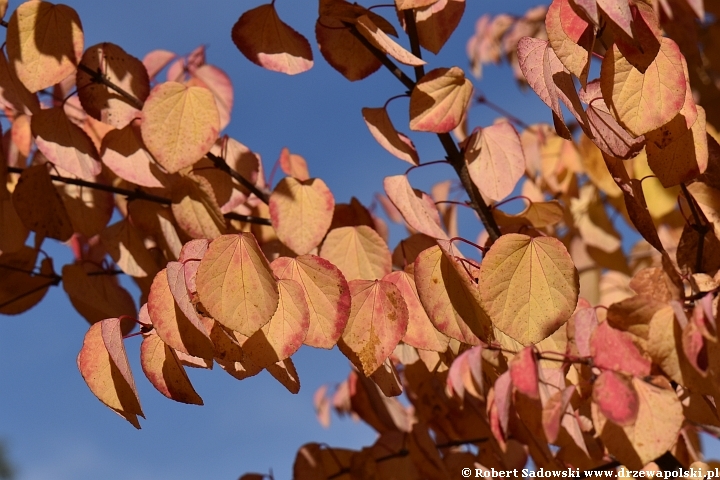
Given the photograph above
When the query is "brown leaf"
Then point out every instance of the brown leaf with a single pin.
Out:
(20, 289)
(437, 22)
(39, 206)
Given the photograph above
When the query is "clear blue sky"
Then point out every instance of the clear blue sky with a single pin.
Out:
(53, 426)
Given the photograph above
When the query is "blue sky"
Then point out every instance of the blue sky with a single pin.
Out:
(49, 420)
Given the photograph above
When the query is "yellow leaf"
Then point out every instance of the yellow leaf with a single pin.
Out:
(235, 283)
(125, 245)
(439, 100)
(301, 212)
(180, 124)
(267, 41)
(44, 43)
(162, 367)
(359, 252)
(125, 154)
(196, 209)
(528, 286)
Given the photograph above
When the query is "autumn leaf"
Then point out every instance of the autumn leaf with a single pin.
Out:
(378, 320)
(495, 159)
(285, 333)
(218, 82)
(235, 283)
(359, 252)
(267, 41)
(418, 210)
(125, 154)
(181, 331)
(381, 127)
(125, 245)
(613, 350)
(644, 101)
(179, 125)
(196, 209)
(616, 398)
(103, 363)
(439, 100)
(162, 367)
(437, 22)
(301, 212)
(294, 165)
(524, 372)
(411, 4)
(529, 286)
(286, 373)
(44, 43)
(326, 293)
(21, 288)
(35, 189)
(384, 43)
(571, 36)
(124, 71)
(13, 94)
(65, 144)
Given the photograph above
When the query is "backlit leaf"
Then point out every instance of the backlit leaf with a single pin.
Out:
(524, 372)
(20, 289)
(378, 320)
(571, 37)
(196, 209)
(39, 206)
(437, 22)
(44, 43)
(89, 209)
(301, 212)
(439, 100)
(284, 334)
(418, 210)
(644, 101)
(382, 129)
(326, 293)
(495, 160)
(384, 43)
(162, 367)
(616, 398)
(619, 13)
(179, 124)
(125, 245)
(613, 350)
(181, 332)
(294, 165)
(103, 363)
(529, 286)
(286, 373)
(124, 71)
(359, 252)
(421, 333)
(13, 94)
(65, 144)
(409, 4)
(125, 154)
(219, 84)
(235, 283)
(267, 41)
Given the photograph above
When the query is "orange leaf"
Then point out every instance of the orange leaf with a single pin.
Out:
(19, 289)
(267, 41)
(235, 283)
(124, 153)
(125, 245)
(284, 334)
(39, 205)
(301, 212)
(571, 36)
(13, 94)
(437, 22)
(384, 43)
(409, 4)
(420, 332)
(179, 124)
(644, 101)
(294, 165)
(614, 350)
(326, 293)
(123, 70)
(196, 209)
(382, 129)
(418, 210)
(524, 373)
(378, 320)
(528, 286)
(164, 370)
(359, 252)
(448, 298)
(439, 100)
(103, 363)
(184, 333)
(44, 43)
(285, 373)
(219, 84)
(65, 144)
(619, 13)
(495, 160)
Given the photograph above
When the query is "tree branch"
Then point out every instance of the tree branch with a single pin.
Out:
(141, 195)
(98, 77)
(411, 27)
(221, 164)
(389, 64)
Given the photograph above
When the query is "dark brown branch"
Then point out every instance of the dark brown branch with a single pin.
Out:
(141, 195)
(54, 281)
(98, 77)
(222, 165)
(389, 64)
(411, 28)
(700, 227)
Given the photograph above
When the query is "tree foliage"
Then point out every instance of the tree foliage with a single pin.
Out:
(559, 345)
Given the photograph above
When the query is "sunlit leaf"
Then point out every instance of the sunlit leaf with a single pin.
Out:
(524, 372)
(125, 245)
(162, 367)
(529, 286)
(378, 320)
(103, 363)
(439, 100)
(180, 124)
(196, 209)
(44, 43)
(359, 252)
(124, 153)
(301, 212)
(418, 210)
(267, 41)
(326, 293)
(614, 350)
(382, 129)
(384, 43)
(235, 283)
(437, 22)
(571, 37)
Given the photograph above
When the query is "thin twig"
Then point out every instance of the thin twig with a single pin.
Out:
(222, 165)
(414, 41)
(98, 77)
(389, 64)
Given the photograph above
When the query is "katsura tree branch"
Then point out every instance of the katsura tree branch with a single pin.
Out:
(140, 195)
(414, 41)
(454, 156)
(98, 77)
